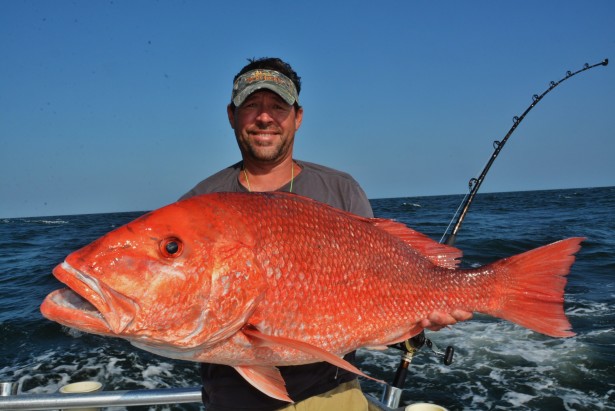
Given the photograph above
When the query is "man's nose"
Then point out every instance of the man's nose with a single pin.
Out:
(264, 116)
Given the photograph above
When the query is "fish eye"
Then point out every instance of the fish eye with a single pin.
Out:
(171, 247)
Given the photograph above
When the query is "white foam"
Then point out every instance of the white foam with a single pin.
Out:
(517, 399)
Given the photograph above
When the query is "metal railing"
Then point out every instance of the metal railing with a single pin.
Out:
(104, 399)
(101, 399)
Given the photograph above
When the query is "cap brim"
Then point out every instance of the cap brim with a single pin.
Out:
(280, 91)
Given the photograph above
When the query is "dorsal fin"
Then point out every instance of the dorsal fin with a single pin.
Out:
(440, 254)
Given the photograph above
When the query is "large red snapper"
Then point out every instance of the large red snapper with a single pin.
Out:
(257, 280)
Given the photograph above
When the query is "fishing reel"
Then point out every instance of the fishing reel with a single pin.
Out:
(412, 345)
(392, 393)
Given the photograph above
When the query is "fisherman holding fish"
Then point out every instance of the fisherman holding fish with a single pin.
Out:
(265, 114)
(256, 281)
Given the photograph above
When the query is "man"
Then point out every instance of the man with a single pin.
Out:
(265, 114)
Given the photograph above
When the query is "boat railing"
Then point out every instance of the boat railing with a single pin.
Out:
(101, 399)
(128, 398)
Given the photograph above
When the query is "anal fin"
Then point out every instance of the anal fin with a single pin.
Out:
(267, 379)
(265, 340)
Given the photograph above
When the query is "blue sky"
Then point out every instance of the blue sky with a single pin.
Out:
(120, 105)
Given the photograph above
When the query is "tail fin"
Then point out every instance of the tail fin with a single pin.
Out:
(534, 293)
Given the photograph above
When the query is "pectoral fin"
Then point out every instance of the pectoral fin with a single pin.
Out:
(267, 379)
(264, 340)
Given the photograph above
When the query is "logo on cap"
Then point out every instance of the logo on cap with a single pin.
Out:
(254, 80)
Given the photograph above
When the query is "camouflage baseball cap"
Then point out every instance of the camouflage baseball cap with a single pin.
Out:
(254, 80)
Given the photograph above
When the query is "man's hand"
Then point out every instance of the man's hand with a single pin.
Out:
(440, 319)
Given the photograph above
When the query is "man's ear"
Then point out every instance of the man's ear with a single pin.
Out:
(230, 112)
(298, 118)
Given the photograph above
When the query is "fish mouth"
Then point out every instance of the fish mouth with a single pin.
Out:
(87, 304)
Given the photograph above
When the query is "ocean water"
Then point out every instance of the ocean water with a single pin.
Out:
(497, 365)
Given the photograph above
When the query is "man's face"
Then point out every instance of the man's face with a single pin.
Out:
(265, 126)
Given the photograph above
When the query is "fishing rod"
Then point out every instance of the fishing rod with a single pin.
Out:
(475, 183)
(392, 392)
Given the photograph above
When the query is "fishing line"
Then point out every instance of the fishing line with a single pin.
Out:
(454, 215)
(475, 183)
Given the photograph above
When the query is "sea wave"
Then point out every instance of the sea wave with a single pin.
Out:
(34, 221)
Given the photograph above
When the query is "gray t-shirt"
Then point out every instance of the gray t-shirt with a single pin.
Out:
(324, 184)
(223, 388)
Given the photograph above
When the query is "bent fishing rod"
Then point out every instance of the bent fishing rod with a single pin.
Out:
(475, 183)
(392, 392)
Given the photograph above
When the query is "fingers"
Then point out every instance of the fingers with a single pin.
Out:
(439, 319)
(461, 315)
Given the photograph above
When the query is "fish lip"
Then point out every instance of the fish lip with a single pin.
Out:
(64, 302)
(82, 286)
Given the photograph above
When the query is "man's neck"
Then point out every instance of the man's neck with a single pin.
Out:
(268, 177)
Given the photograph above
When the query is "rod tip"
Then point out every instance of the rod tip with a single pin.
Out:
(605, 62)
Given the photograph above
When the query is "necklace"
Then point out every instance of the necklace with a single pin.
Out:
(292, 177)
